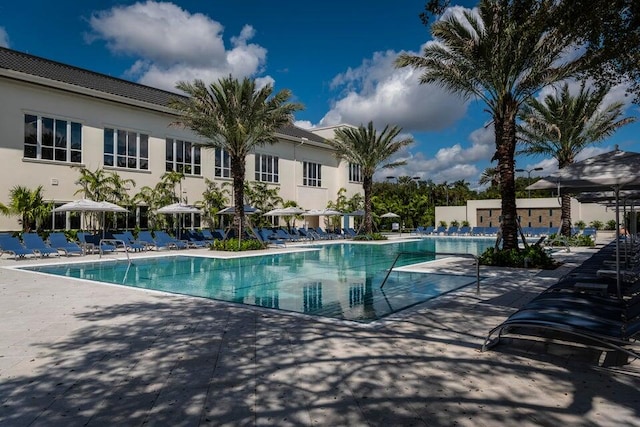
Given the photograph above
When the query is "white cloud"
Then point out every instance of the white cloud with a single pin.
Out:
(4, 38)
(378, 91)
(175, 45)
(449, 164)
(303, 124)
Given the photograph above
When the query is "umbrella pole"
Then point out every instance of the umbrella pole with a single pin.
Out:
(618, 285)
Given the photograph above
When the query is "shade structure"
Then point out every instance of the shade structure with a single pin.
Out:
(322, 212)
(613, 172)
(86, 205)
(615, 169)
(390, 215)
(359, 212)
(231, 210)
(178, 208)
(291, 210)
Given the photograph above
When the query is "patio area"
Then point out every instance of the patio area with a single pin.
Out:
(78, 353)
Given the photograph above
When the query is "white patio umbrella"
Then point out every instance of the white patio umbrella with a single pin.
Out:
(322, 212)
(178, 209)
(291, 210)
(86, 205)
(612, 171)
(390, 215)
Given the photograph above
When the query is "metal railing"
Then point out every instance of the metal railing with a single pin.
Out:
(475, 257)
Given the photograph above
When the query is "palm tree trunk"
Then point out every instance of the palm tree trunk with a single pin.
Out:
(505, 129)
(237, 172)
(565, 230)
(367, 185)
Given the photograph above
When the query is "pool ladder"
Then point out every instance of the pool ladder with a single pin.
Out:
(477, 261)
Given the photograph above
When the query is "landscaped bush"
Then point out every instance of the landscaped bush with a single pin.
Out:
(372, 236)
(577, 240)
(233, 245)
(532, 257)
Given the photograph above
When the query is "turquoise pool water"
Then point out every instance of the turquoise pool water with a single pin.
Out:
(339, 280)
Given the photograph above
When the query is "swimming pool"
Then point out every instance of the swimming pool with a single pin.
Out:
(340, 280)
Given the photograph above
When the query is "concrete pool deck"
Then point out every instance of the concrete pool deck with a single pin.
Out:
(79, 353)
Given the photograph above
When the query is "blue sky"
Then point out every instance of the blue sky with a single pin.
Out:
(335, 56)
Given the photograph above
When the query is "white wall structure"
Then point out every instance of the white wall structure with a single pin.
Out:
(586, 212)
(55, 118)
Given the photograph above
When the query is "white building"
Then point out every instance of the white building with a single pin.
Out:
(537, 212)
(54, 117)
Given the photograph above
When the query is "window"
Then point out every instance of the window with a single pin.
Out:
(355, 173)
(126, 149)
(266, 168)
(182, 156)
(550, 212)
(311, 174)
(529, 212)
(223, 164)
(540, 219)
(52, 139)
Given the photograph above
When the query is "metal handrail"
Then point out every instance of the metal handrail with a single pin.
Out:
(475, 257)
(116, 241)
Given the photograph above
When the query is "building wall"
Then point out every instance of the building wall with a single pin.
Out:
(484, 213)
(95, 114)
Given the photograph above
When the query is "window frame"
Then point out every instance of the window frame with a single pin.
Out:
(267, 168)
(222, 163)
(63, 142)
(190, 163)
(355, 173)
(311, 174)
(125, 154)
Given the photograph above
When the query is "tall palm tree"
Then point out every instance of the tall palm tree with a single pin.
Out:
(94, 185)
(562, 125)
(28, 204)
(365, 147)
(235, 116)
(501, 55)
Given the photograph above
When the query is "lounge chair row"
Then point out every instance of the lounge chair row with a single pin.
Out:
(455, 231)
(583, 308)
(33, 245)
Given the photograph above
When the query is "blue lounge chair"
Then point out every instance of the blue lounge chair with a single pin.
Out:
(452, 230)
(129, 243)
(34, 242)
(59, 241)
(164, 239)
(95, 241)
(195, 239)
(11, 245)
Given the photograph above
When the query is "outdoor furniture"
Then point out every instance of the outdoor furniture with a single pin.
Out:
(11, 245)
(129, 244)
(59, 241)
(94, 241)
(34, 242)
(164, 239)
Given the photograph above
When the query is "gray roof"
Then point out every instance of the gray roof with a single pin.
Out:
(45, 68)
(36, 66)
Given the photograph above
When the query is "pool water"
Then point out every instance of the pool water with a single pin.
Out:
(338, 280)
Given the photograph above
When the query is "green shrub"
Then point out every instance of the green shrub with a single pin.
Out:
(532, 257)
(372, 236)
(234, 245)
(596, 224)
(610, 225)
(580, 224)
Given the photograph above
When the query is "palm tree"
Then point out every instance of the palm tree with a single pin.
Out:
(170, 179)
(562, 125)
(93, 185)
(28, 204)
(235, 116)
(365, 147)
(502, 55)
(214, 199)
